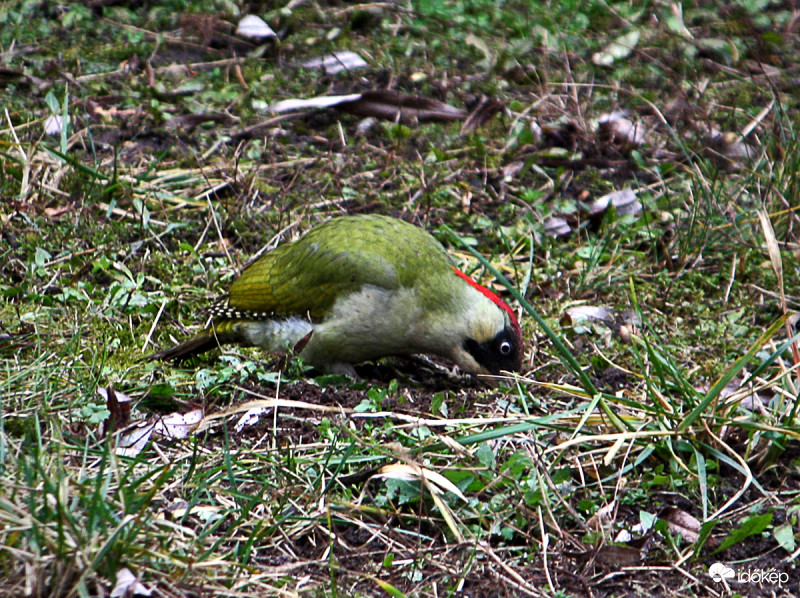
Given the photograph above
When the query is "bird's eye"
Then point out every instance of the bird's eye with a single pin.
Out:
(505, 348)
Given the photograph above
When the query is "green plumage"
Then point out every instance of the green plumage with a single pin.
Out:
(337, 258)
(358, 288)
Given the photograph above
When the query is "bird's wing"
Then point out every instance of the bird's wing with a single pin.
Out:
(306, 278)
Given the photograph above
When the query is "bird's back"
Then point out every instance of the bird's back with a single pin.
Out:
(335, 258)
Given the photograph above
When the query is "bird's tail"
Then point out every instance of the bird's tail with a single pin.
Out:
(200, 343)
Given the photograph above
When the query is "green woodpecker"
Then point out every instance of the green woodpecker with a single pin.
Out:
(358, 288)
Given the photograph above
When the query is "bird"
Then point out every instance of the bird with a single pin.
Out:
(358, 288)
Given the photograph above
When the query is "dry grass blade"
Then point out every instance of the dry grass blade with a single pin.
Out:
(434, 483)
(773, 250)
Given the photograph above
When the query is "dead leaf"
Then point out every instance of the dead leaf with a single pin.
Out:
(623, 201)
(623, 536)
(128, 586)
(617, 128)
(681, 523)
(250, 418)
(132, 442)
(617, 50)
(363, 127)
(54, 124)
(582, 313)
(177, 425)
(301, 344)
(206, 513)
(254, 27)
(557, 226)
(119, 408)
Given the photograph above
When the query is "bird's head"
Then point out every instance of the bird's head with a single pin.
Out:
(492, 339)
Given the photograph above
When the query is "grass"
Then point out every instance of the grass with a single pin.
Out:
(640, 444)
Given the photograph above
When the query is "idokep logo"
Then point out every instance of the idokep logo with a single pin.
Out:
(720, 572)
